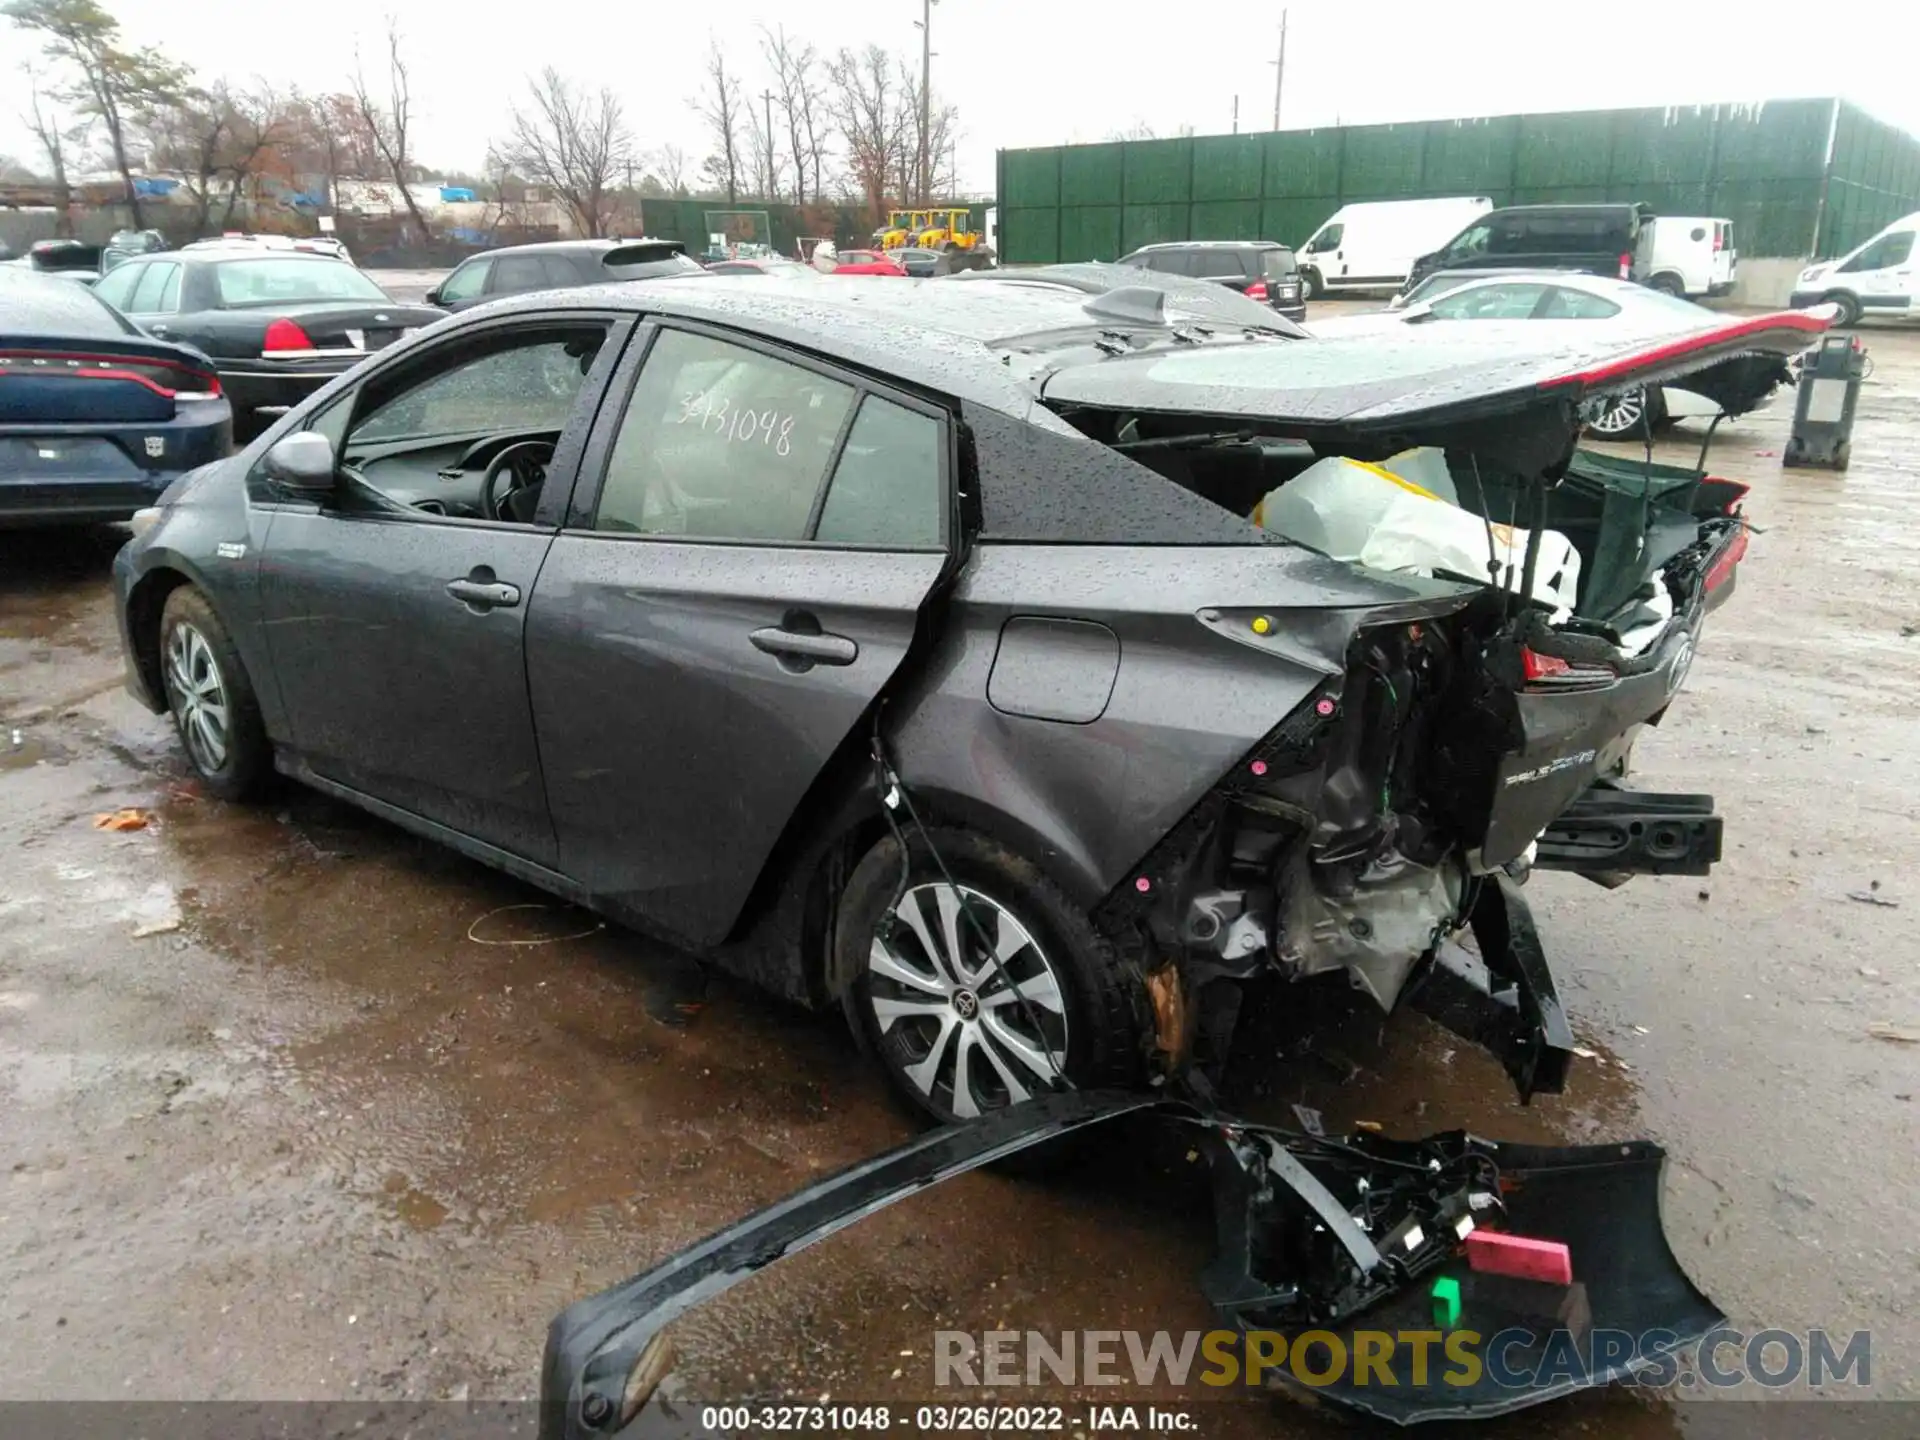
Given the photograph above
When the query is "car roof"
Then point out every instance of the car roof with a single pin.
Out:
(946, 338)
(1212, 245)
(575, 247)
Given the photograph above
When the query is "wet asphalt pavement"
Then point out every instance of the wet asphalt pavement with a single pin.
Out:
(297, 1106)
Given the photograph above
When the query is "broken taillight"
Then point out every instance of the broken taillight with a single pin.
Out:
(1549, 671)
(1721, 571)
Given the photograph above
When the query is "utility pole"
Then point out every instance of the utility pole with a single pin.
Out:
(925, 23)
(1236, 114)
(1280, 70)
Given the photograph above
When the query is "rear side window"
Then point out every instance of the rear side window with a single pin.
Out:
(513, 274)
(886, 489)
(720, 442)
(1557, 234)
(1218, 264)
(1278, 264)
(1568, 304)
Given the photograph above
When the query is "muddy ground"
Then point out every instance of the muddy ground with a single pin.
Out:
(296, 1106)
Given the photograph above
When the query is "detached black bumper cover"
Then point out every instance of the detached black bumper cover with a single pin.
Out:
(1292, 1257)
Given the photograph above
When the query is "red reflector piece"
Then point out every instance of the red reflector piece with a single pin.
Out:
(283, 334)
(1492, 1253)
(1536, 666)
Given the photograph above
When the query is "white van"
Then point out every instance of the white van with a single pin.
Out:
(1878, 278)
(1372, 245)
(1688, 255)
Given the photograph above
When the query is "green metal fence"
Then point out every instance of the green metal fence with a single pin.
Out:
(1765, 167)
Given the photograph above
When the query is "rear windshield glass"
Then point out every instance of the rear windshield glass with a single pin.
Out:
(41, 305)
(1278, 263)
(280, 281)
(647, 263)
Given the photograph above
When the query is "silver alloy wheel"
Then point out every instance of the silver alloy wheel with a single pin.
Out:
(950, 1016)
(199, 697)
(1624, 414)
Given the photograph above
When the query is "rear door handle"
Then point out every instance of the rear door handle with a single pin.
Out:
(808, 649)
(484, 594)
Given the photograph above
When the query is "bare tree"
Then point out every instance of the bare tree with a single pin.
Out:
(672, 163)
(721, 107)
(800, 97)
(927, 142)
(573, 143)
(865, 103)
(114, 83)
(389, 123)
(59, 135)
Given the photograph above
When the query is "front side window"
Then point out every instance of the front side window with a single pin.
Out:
(1887, 251)
(285, 280)
(1329, 238)
(721, 442)
(116, 287)
(1473, 242)
(527, 386)
(159, 290)
(467, 282)
(1489, 302)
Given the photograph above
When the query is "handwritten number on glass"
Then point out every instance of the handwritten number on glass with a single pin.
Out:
(717, 416)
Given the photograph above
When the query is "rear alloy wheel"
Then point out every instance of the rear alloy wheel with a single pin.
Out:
(211, 698)
(1848, 306)
(986, 990)
(1632, 416)
(1668, 285)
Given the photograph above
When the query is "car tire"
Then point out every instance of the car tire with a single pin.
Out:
(211, 699)
(1849, 309)
(1668, 285)
(920, 1018)
(1310, 287)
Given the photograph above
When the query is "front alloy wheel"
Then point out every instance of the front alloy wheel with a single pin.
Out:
(967, 1033)
(199, 697)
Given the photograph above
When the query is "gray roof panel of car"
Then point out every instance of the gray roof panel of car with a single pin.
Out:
(924, 334)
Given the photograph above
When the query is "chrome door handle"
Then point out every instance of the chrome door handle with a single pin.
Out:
(809, 649)
(484, 595)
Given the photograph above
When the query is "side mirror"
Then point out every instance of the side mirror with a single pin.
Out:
(303, 461)
(432, 296)
(1415, 313)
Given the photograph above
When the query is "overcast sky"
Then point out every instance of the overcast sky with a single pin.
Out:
(1040, 72)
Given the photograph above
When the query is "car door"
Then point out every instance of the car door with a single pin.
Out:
(1882, 274)
(740, 577)
(1329, 252)
(395, 619)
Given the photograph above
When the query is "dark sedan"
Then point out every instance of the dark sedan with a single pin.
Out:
(96, 419)
(278, 324)
(561, 265)
(936, 652)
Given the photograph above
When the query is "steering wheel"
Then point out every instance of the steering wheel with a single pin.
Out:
(524, 463)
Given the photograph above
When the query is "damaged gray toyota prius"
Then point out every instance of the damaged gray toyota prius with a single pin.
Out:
(1045, 673)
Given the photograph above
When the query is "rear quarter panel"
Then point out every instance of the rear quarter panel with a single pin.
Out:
(1194, 689)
